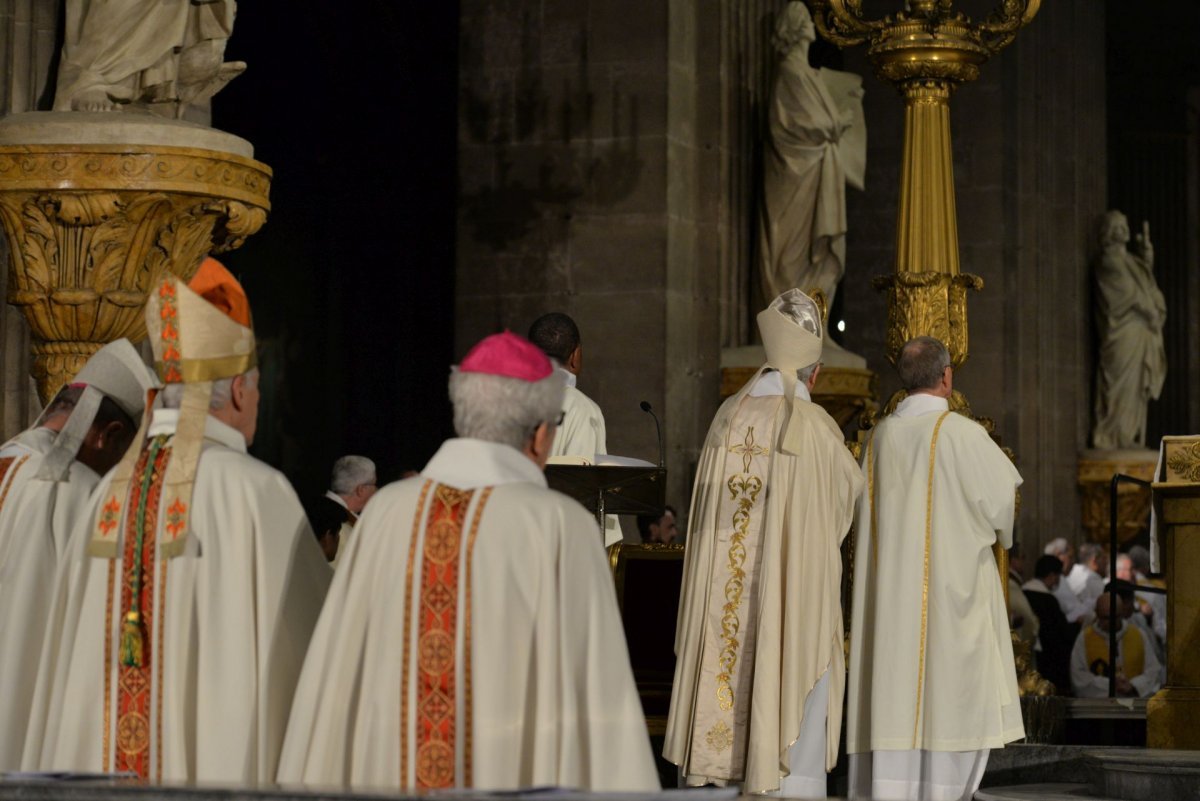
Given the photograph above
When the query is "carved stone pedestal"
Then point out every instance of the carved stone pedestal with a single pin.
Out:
(1096, 469)
(97, 206)
(1173, 714)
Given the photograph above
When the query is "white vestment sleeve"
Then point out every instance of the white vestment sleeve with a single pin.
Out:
(1150, 679)
(1085, 683)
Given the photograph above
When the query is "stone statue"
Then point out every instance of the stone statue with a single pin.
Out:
(816, 144)
(159, 56)
(1130, 311)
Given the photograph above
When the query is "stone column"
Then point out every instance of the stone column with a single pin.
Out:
(28, 49)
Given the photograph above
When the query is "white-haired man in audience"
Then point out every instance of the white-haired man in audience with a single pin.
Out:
(333, 516)
(1086, 578)
(188, 593)
(1074, 610)
(471, 637)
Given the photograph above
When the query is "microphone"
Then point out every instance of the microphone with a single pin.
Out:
(662, 451)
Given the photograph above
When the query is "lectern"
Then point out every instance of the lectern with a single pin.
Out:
(1173, 714)
(609, 489)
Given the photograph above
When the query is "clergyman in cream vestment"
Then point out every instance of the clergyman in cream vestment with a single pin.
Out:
(46, 476)
(757, 698)
(187, 596)
(471, 638)
(932, 680)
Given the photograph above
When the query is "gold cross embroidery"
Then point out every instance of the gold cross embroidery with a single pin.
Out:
(748, 450)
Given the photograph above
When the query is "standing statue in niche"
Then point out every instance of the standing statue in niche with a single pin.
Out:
(1130, 311)
(817, 143)
(160, 56)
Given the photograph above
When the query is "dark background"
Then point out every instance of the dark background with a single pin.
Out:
(352, 279)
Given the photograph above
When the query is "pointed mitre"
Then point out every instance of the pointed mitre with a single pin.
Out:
(792, 336)
(792, 333)
(117, 372)
(200, 332)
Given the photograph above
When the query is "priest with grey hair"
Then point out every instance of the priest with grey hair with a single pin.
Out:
(46, 476)
(933, 686)
(471, 637)
(334, 514)
(757, 698)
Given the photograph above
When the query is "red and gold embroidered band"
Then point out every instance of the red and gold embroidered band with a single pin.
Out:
(136, 650)
(443, 569)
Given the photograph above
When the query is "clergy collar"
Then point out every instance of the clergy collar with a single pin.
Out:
(165, 421)
(770, 382)
(473, 463)
(919, 404)
(570, 377)
(338, 499)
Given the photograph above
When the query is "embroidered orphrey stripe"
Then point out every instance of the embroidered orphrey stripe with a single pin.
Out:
(925, 579)
(139, 649)
(437, 638)
(468, 777)
(108, 664)
(162, 657)
(418, 516)
(744, 489)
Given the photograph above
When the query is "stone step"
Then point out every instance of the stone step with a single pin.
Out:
(1052, 791)
(1055, 773)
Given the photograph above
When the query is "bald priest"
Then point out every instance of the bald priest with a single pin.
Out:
(471, 637)
(46, 476)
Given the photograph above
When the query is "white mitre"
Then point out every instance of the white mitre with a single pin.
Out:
(792, 333)
(792, 336)
(115, 371)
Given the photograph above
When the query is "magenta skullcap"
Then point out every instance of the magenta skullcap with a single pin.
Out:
(507, 355)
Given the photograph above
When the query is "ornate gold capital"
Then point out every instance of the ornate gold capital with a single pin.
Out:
(92, 228)
(928, 304)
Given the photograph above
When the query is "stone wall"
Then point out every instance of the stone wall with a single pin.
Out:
(585, 185)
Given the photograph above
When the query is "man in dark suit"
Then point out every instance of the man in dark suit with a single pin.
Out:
(1056, 635)
(333, 515)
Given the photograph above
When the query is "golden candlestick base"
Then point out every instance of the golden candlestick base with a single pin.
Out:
(91, 227)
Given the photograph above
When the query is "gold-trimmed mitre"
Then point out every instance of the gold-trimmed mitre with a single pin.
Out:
(792, 336)
(200, 331)
(792, 333)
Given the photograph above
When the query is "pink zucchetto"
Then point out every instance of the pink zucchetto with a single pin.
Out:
(507, 355)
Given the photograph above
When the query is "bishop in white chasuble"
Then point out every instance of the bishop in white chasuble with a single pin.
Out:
(188, 594)
(760, 672)
(471, 638)
(46, 476)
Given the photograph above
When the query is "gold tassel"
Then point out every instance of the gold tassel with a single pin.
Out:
(131, 640)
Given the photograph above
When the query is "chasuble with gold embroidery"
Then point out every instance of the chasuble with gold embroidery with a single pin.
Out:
(760, 619)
